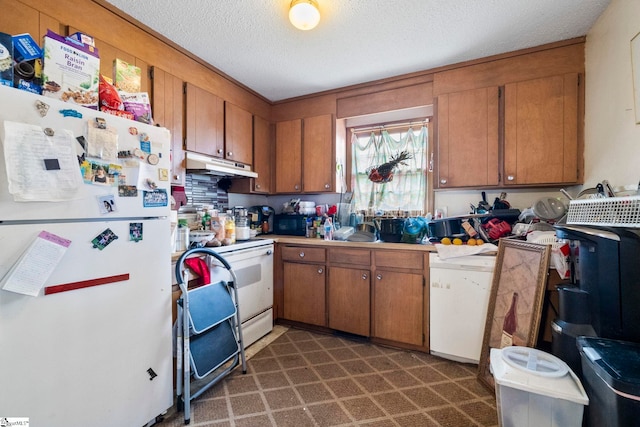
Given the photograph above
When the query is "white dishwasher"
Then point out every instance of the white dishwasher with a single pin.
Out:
(458, 301)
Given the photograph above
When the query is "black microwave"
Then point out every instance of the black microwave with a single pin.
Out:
(291, 225)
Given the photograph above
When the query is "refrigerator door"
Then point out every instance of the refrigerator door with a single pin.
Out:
(145, 149)
(93, 356)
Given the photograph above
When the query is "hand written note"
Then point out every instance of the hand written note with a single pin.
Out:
(33, 268)
(26, 147)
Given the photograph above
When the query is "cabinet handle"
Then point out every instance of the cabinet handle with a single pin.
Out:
(269, 252)
(443, 181)
(296, 187)
(510, 178)
(229, 153)
(364, 276)
(301, 254)
(320, 271)
(257, 186)
(327, 186)
(379, 276)
(219, 150)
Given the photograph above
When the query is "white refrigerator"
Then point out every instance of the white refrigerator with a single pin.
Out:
(85, 256)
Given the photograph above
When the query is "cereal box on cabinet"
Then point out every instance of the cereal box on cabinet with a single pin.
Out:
(71, 70)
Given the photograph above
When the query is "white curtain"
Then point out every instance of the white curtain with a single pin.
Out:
(407, 190)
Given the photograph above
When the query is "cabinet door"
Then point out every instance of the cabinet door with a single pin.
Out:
(398, 307)
(318, 160)
(238, 134)
(167, 97)
(304, 293)
(468, 138)
(541, 131)
(262, 151)
(288, 168)
(204, 122)
(349, 300)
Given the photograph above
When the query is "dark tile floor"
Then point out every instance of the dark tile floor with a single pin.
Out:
(309, 379)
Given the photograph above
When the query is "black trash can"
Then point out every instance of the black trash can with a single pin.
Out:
(611, 378)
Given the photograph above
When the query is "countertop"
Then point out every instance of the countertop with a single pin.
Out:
(295, 240)
(299, 240)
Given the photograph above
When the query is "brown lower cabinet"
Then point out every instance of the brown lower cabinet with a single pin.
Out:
(304, 284)
(349, 300)
(379, 294)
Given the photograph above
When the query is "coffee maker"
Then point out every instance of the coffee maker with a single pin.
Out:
(604, 295)
(258, 215)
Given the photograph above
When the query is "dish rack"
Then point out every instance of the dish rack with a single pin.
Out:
(209, 335)
(606, 212)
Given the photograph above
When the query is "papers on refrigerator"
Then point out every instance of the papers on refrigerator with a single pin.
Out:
(29, 274)
(40, 167)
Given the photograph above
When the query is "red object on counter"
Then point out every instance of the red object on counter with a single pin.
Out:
(199, 267)
(497, 228)
(333, 209)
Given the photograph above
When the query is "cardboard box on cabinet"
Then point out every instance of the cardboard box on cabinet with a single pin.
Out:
(71, 70)
(27, 59)
(6, 60)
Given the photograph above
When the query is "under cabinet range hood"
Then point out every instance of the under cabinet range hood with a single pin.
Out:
(201, 164)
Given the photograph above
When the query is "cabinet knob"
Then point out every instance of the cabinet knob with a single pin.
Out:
(320, 271)
(510, 178)
(327, 186)
(219, 150)
(301, 254)
(379, 276)
(364, 276)
(443, 181)
(269, 252)
(229, 153)
(296, 187)
(257, 186)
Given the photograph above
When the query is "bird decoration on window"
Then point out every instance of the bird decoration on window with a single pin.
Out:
(384, 173)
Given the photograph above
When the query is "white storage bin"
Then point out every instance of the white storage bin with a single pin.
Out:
(536, 389)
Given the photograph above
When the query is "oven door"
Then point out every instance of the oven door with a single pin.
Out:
(253, 268)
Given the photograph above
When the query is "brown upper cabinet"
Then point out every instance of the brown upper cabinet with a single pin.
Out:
(514, 122)
(238, 134)
(468, 138)
(204, 121)
(167, 98)
(288, 170)
(305, 155)
(541, 131)
(262, 160)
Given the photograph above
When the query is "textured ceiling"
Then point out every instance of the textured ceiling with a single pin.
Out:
(357, 40)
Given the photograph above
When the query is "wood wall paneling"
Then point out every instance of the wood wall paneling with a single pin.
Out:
(543, 63)
(388, 100)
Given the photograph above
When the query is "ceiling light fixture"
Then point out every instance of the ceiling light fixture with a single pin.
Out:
(304, 14)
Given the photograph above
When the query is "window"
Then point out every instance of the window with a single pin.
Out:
(406, 190)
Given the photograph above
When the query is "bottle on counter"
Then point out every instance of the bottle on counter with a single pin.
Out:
(243, 231)
(206, 220)
(230, 227)
(328, 229)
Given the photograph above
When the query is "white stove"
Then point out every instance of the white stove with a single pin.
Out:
(252, 263)
(243, 244)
